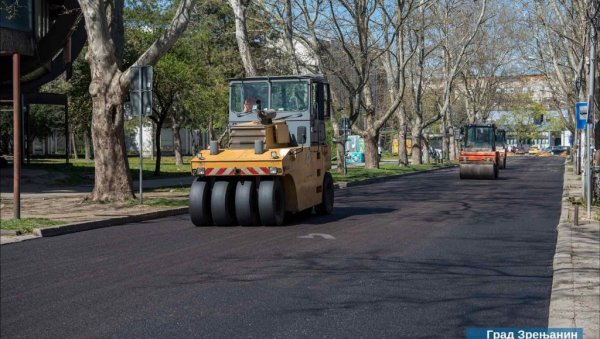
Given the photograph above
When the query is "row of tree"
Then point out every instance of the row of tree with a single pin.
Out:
(417, 65)
(433, 65)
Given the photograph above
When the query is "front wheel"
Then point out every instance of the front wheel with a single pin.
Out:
(200, 203)
(326, 205)
(271, 202)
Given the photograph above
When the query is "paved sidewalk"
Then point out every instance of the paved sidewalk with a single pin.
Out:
(575, 299)
(68, 205)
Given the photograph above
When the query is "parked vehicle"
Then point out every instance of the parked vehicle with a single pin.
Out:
(556, 150)
(534, 149)
(519, 150)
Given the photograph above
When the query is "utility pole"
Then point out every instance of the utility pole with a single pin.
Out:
(591, 109)
(16, 101)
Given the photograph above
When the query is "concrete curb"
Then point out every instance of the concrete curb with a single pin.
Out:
(91, 225)
(561, 312)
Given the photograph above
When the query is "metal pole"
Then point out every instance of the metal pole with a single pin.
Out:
(141, 133)
(28, 126)
(344, 165)
(67, 141)
(591, 109)
(577, 151)
(17, 135)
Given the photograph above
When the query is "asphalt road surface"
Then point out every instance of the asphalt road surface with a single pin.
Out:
(425, 256)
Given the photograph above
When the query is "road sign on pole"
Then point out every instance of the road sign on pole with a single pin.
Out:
(581, 109)
(141, 90)
(141, 104)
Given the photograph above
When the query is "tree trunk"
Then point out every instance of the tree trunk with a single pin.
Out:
(417, 136)
(29, 147)
(425, 148)
(157, 143)
(341, 157)
(112, 176)
(176, 142)
(211, 130)
(445, 137)
(86, 144)
(452, 142)
(371, 132)
(402, 155)
(74, 146)
(339, 146)
(289, 35)
(241, 35)
(371, 154)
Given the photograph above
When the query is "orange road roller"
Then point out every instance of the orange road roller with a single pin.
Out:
(479, 158)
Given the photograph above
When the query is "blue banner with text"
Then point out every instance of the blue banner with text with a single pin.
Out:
(523, 333)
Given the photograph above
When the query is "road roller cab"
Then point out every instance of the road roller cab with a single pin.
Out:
(479, 158)
(277, 159)
(501, 147)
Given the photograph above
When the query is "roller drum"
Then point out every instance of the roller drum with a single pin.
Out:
(478, 171)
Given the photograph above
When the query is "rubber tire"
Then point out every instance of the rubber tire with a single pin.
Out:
(200, 203)
(328, 196)
(271, 202)
(222, 203)
(246, 204)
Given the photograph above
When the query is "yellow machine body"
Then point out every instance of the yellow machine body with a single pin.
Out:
(301, 169)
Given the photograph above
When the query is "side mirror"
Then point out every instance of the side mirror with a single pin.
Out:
(301, 135)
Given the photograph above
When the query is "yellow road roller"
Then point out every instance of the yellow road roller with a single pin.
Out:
(479, 159)
(277, 159)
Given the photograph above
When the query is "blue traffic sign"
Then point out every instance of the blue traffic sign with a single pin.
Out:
(581, 108)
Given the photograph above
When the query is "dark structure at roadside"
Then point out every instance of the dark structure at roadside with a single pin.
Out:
(39, 39)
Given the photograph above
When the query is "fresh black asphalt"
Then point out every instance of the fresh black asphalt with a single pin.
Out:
(424, 256)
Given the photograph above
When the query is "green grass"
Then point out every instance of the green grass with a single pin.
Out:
(169, 189)
(359, 173)
(160, 202)
(79, 171)
(26, 225)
